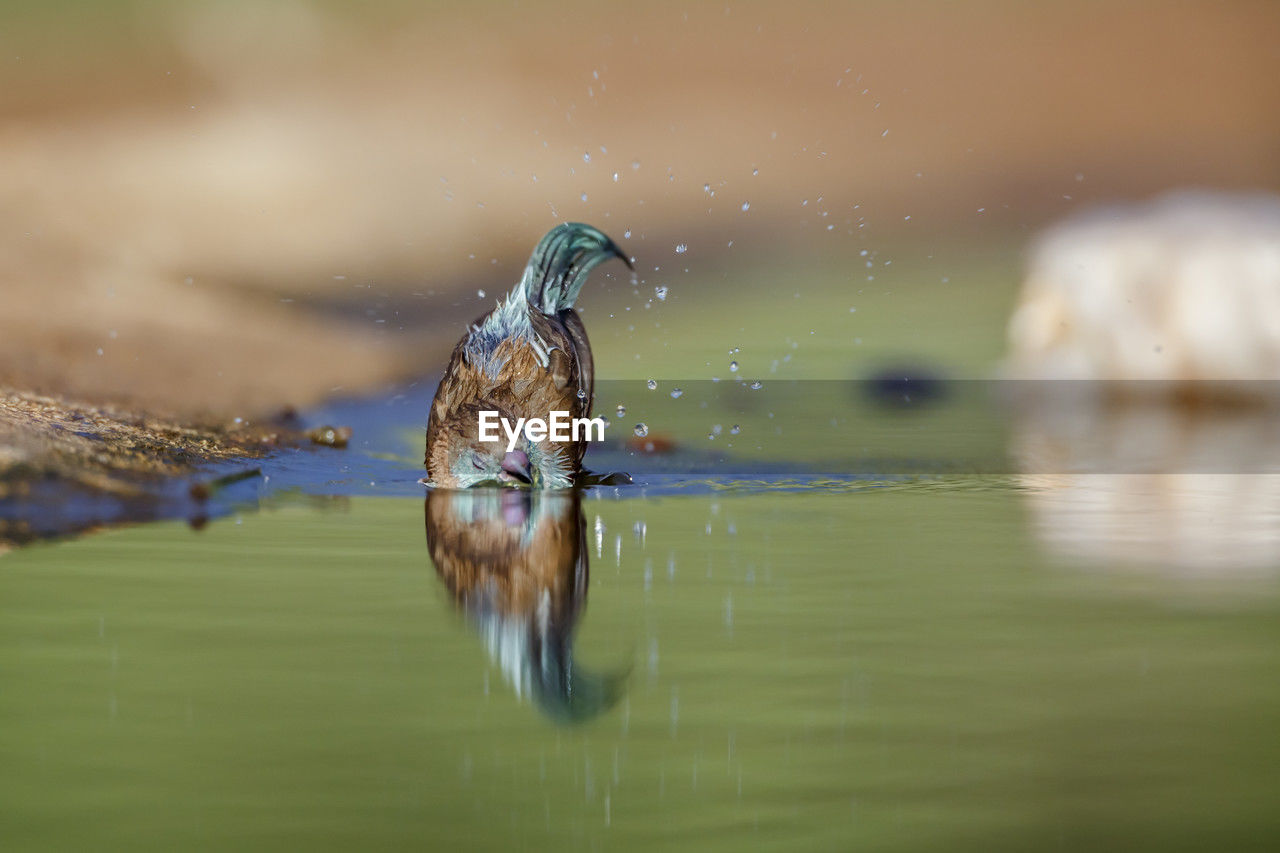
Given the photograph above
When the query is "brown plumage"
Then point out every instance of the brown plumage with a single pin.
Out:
(526, 358)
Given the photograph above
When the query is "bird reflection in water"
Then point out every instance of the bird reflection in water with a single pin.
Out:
(515, 561)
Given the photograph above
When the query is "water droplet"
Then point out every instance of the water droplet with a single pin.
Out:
(582, 394)
(622, 410)
(681, 248)
(746, 205)
(733, 367)
(653, 384)
(675, 393)
(641, 430)
(480, 293)
(756, 386)
(661, 292)
(627, 234)
(584, 196)
(615, 177)
(735, 429)
(755, 172)
(586, 156)
(635, 164)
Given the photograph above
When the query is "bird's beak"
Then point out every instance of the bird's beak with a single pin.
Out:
(515, 467)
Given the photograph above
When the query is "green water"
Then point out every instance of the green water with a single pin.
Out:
(875, 667)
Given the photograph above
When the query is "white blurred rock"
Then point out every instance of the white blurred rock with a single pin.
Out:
(1183, 288)
(1163, 470)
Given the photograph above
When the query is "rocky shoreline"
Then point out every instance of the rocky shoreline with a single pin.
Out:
(53, 450)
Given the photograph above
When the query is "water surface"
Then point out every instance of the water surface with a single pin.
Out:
(783, 660)
(891, 667)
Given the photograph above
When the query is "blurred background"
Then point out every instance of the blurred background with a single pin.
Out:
(231, 207)
(1052, 618)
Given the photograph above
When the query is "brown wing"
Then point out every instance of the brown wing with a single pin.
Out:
(557, 386)
(524, 388)
(577, 333)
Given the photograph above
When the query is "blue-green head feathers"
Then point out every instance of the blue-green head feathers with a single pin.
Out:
(561, 263)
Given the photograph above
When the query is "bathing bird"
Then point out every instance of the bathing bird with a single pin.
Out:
(526, 358)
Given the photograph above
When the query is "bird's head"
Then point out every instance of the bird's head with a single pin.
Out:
(472, 462)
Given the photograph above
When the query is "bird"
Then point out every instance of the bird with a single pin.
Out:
(526, 358)
(516, 564)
